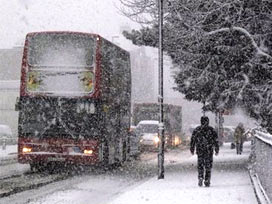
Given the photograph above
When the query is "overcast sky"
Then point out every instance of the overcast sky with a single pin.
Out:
(19, 17)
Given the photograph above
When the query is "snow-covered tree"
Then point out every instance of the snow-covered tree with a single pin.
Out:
(221, 47)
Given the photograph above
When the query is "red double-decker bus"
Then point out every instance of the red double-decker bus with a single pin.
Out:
(74, 104)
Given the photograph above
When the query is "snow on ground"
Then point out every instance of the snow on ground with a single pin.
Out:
(8, 162)
(13, 169)
(230, 183)
(181, 187)
(95, 189)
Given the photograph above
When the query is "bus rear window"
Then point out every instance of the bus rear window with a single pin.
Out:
(55, 49)
(61, 64)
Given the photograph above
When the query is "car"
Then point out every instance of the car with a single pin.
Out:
(228, 134)
(6, 136)
(147, 131)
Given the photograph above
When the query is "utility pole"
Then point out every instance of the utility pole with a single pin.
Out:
(160, 98)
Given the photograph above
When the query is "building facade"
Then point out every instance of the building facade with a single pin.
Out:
(10, 72)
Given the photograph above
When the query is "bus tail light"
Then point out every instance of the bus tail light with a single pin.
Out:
(88, 151)
(26, 150)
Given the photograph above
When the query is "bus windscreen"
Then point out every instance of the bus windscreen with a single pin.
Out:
(61, 64)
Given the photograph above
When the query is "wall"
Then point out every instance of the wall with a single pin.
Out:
(10, 66)
(8, 115)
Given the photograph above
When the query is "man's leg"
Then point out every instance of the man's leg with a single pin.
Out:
(208, 170)
(200, 168)
(238, 148)
(241, 147)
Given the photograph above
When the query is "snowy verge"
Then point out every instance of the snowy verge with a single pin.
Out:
(258, 189)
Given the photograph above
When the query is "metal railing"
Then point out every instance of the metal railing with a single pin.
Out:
(261, 165)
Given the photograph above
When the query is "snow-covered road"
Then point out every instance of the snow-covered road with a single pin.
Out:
(99, 186)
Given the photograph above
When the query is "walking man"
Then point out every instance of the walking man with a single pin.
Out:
(205, 141)
(239, 137)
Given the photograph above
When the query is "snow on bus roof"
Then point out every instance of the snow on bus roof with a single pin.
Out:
(149, 122)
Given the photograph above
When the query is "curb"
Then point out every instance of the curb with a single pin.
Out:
(259, 191)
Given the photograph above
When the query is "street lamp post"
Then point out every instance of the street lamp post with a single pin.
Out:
(160, 98)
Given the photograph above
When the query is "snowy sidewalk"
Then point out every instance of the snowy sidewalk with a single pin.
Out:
(230, 183)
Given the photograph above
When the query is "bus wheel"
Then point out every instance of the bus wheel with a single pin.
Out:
(33, 167)
(37, 167)
(118, 162)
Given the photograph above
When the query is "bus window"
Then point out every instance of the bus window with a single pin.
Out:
(61, 64)
(51, 50)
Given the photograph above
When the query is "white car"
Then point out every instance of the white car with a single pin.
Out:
(147, 131)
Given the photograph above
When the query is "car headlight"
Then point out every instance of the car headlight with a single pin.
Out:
(156, 139)
(177, 141)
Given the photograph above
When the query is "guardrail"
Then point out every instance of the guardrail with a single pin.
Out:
(260, 168)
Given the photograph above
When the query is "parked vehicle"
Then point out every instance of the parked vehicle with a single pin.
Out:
(6, 136)
(228, 133)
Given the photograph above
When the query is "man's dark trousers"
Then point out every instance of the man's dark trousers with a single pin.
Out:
(204, 165)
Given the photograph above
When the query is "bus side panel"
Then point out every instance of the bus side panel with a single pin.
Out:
(117, 95)
(23, 70)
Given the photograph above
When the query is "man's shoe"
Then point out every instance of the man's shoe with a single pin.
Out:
(207, 184)
(200, 182)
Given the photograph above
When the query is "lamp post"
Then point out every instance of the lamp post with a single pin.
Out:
(160, 98)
